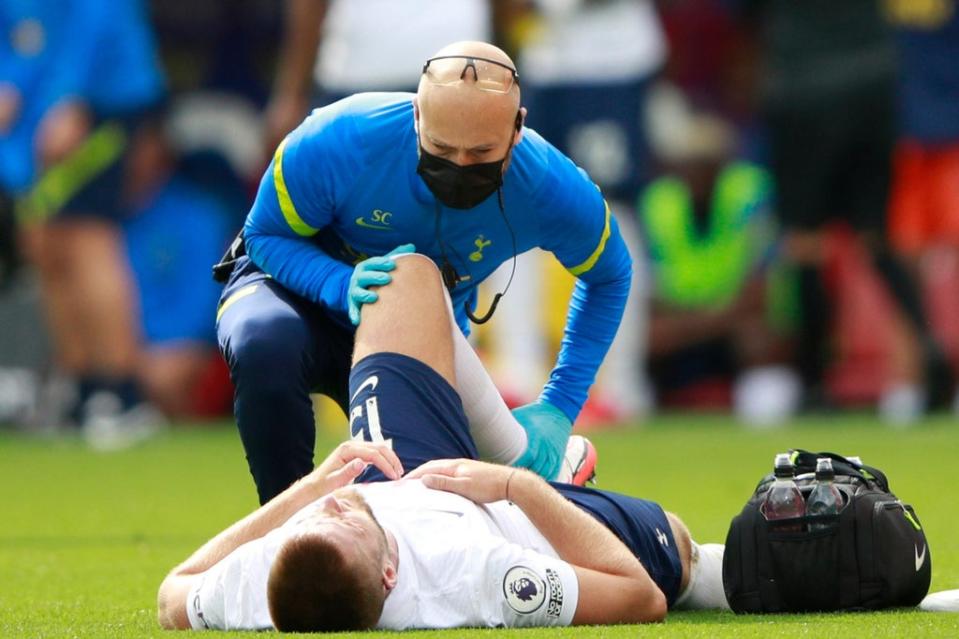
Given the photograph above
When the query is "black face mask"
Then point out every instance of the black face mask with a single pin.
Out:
(459, 187)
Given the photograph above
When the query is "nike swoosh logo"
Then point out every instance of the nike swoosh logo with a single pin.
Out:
(362, 222)
(370, 381)
(920, 557)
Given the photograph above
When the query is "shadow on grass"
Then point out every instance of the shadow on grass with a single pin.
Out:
(713, 617)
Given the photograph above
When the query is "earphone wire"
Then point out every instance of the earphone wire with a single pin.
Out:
(451, 277)
(497, 297)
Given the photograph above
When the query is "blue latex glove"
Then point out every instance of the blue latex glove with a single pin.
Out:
(373, 271)
(547, 431)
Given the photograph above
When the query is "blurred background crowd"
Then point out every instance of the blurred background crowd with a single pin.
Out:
(786, 174)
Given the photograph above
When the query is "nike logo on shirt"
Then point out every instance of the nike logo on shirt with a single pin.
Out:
(360, 221)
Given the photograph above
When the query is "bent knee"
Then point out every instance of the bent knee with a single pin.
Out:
(415, 275)
(266, 344)
(416, 267)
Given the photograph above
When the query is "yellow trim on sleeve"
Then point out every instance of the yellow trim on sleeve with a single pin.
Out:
(592, 259)
(233, 299)
(283, 195)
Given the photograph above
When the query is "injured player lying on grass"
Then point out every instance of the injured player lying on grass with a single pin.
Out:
(455, 542)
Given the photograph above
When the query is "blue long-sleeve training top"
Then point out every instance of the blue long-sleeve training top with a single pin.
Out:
(343, 187)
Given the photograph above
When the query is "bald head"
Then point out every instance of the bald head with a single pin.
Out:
(479, 50)
(462, 122)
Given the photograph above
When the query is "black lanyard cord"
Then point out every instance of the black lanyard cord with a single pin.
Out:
(451, 278)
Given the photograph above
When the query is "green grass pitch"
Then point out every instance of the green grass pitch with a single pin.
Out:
(86, 537)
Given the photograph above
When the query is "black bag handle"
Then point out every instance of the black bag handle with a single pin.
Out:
(805, 462)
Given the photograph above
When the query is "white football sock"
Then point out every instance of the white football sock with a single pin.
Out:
(498, 436)
(705, 588)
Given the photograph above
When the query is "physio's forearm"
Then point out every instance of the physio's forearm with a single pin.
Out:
(595, 311)
(578, 538)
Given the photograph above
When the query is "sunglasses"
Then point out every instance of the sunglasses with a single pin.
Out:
(488, 75)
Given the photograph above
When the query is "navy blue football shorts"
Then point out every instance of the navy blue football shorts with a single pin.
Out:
(641, 525)
(401, 400)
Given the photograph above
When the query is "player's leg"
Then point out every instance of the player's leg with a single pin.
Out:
(498, 436)
(89, 296)
(68, 347)
(805, 149)
(640, 524)
(100, 293)
(701, 587)
(409, 318)
(402, 386)
(417, 294)
(661, 542)
(279, 349)
(413, 318)
(869, 180)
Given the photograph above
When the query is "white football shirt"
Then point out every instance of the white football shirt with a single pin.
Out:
(460, 564)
